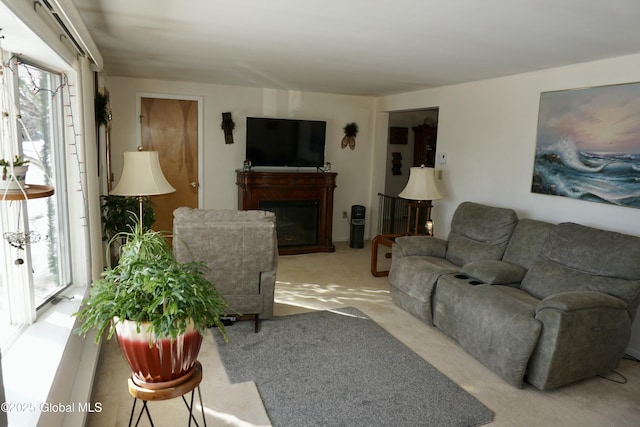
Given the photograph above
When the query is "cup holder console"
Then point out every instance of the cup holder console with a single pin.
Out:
(465, 277)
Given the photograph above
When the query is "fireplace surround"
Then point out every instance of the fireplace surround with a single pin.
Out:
(302, 201)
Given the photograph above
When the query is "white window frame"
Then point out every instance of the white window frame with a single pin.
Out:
(60, 166)
(22, 307)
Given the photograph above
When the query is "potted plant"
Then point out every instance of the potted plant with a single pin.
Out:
(159, 308)
(117, 215)
(13, 173)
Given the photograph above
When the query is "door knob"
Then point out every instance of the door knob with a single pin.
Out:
(195, 185)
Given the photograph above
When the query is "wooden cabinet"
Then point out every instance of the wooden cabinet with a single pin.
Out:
(259, 189)
(424, 148)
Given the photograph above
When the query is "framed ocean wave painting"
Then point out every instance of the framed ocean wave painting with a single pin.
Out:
(588, 145)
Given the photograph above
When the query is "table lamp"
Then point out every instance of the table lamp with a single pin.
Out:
(421, 189)
(141, 176)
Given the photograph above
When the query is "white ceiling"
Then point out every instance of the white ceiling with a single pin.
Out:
(360, 47)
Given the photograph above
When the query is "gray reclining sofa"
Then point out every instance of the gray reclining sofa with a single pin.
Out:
(536, 302)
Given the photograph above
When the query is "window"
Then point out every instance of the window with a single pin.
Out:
(35, 232)
(41, 111)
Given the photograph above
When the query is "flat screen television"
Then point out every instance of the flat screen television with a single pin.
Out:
(285, 142)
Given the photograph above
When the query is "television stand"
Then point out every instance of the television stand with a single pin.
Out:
(303, 202)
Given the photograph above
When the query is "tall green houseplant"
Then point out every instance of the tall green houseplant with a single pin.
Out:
(149, 285)
(167, 302)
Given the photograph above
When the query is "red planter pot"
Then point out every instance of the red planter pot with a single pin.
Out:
(166, 361)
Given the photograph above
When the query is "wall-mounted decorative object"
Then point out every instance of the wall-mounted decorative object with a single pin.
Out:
(103, 118)
(396, 163)
(398, 135)
(588, 144)
(350, 132)
(227, 126)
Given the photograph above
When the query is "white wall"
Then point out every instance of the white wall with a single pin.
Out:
(354, 185)
(488, 130)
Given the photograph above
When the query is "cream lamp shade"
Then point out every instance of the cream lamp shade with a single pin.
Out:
(421, 185)
(142, 175)
(422, 189)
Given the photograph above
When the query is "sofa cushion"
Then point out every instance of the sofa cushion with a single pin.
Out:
(498, 330)
(519, 294)
(580, 258)
(595, 251)
(417, 275)
(548, 278)
(479, 232)
(494, 272)
(527, 241)
(412, 281)
(451, 289)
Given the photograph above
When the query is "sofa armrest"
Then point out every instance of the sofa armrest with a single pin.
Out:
(419, 245)
(494, 272)
(584, 333)
(580, 300)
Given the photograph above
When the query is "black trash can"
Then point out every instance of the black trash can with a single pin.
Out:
(356, 236)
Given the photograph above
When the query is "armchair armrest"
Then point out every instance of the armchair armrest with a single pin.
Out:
(580, 300)
(419, 245)
(494, 272)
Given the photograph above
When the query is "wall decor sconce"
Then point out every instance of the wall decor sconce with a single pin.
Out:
(350, 132)
(227, 126)
(396, 163)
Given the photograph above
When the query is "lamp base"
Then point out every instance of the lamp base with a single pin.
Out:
(421, 215)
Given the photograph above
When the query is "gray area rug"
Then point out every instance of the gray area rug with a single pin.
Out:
(339, 368)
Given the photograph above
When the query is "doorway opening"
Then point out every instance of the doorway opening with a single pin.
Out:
(413, 137)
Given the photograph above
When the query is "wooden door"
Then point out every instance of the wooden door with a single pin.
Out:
(170, 126)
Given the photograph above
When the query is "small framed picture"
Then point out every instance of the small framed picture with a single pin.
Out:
(398, 135)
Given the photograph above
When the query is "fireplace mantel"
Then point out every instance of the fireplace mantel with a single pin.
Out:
(256, 187)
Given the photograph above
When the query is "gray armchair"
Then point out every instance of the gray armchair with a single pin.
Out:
(240, 249)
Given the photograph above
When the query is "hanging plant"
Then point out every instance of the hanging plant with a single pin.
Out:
(350, 132)
(16, 162)
(102, 107)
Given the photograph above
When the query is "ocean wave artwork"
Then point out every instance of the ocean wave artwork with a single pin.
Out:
(588, 145)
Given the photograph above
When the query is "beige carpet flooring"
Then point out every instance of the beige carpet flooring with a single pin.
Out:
(342, 279)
